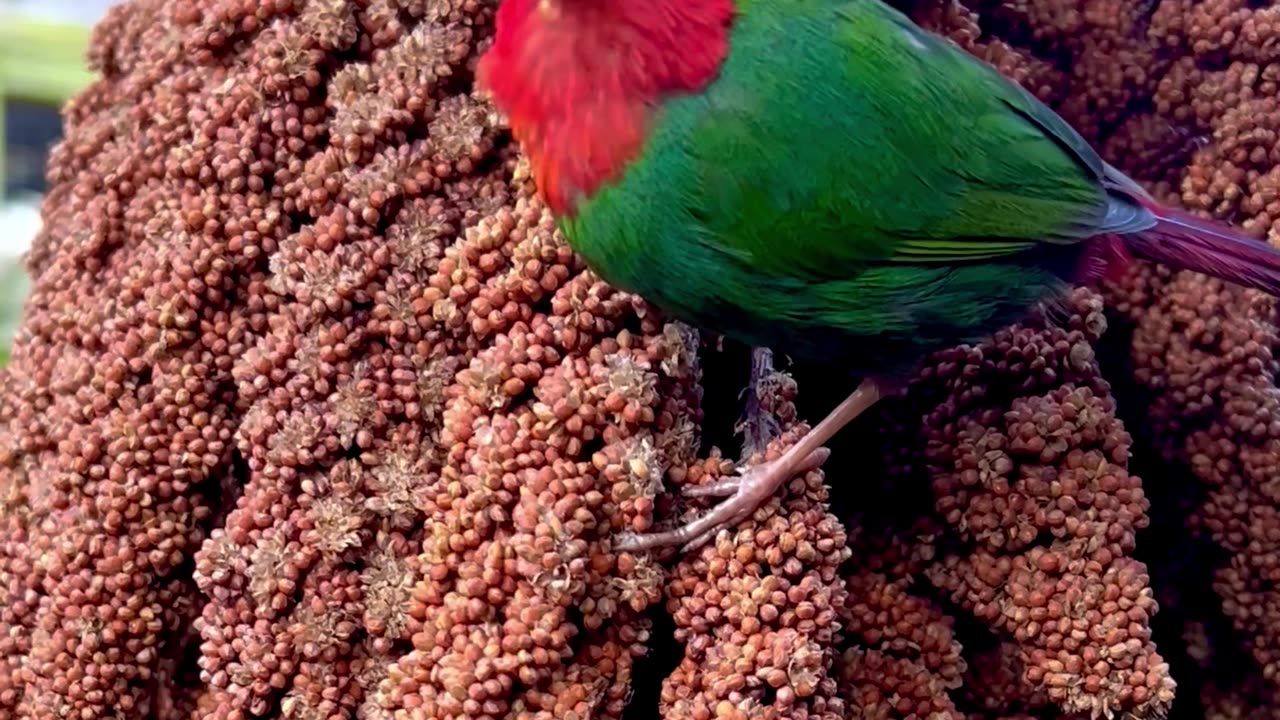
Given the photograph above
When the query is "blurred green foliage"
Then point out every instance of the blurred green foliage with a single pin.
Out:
(42, 64)
(14, 286)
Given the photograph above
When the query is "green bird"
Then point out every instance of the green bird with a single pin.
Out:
(820, 177)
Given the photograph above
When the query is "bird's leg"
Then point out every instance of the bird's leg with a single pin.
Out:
(753, 488)
(758, 427)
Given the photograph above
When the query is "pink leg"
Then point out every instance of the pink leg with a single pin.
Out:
(753, 488)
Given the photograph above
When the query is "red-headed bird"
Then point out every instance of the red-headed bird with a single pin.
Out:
(820, 177)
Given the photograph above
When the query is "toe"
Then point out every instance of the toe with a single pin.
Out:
(631, 542)
(813, 461)
(723, 488)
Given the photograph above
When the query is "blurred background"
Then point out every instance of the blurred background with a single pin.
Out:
(42, 48)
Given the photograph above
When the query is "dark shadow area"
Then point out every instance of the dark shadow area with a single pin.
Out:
(649, 671)
(30, 130)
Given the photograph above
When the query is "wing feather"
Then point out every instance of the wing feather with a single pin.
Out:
(887, 145)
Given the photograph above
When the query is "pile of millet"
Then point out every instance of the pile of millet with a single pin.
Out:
(313, 413)
(341, 427)
(1195, 84)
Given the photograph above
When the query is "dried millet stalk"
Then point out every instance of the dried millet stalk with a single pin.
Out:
(299, 330)
(286, 254)
(1202, 137)
(1036, 513)
(1200, 348)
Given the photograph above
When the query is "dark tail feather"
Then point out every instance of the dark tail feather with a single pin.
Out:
(1183, 241)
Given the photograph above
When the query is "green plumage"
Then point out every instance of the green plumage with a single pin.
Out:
(850, 188)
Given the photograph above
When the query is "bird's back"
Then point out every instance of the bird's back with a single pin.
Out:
(850, 187)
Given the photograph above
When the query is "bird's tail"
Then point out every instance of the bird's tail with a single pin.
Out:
(1183, 241)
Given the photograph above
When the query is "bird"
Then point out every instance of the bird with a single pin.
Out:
(823, 178)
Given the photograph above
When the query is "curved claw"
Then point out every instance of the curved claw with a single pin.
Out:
(721, 488)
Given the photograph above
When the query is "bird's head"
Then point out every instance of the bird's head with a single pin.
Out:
(578, 79)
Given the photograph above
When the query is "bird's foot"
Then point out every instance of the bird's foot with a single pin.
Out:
(744, 492)
(751, 489)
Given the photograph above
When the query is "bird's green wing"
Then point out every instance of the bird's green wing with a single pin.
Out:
(865, 139)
